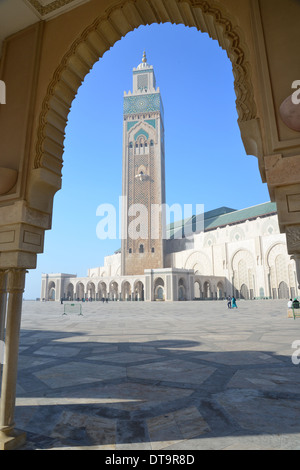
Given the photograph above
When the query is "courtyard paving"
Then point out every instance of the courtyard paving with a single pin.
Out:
(159, 376)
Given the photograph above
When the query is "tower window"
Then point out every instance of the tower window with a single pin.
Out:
(151, 143)
(152, 250)
(130, 145)
(141, 250)
(130, 250)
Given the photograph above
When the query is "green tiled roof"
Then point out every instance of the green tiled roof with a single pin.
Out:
(220, 218)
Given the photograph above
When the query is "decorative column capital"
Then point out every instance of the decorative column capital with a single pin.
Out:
(16, 279)
(293, 240)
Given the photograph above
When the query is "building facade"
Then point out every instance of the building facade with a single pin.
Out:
(237, 252)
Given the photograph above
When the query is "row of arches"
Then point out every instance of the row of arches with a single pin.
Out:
(208, 290)
(271, 275)
(160, 290)
(140, 143)
(112, 290)
(116, 290)
(202, 263)
(281, 291)
(203, 290)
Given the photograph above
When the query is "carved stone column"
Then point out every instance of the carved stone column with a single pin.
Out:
(296, 258)
(9, 437)
(3, 296)
(283, 178)
(293, 245)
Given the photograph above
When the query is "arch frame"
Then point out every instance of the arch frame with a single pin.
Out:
(96, 39)
(238, 256)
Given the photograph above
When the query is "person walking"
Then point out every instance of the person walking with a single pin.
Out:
(229, 302)
(233, 304)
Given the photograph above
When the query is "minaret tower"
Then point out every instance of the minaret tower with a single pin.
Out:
(143, 174)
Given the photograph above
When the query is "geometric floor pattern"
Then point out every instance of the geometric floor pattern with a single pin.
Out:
(159, 376)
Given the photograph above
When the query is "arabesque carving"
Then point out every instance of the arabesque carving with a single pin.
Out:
(98, 37)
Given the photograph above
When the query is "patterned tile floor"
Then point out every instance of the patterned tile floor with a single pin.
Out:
(159, 376)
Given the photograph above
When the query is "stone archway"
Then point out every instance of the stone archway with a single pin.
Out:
(46, 127)
(79, 290)
(283, 290)
(114, 290)
(51, 290)
(181, 289)
(220, 290)
(139, 290)
(207, 292)
(243, 270)
(102, 290)
(282, 272)
(94, 41)
(197, 289)
(200, 262)
(70, 291)
(126, 290)
(159, 289)
(244, 293)
(91, 291)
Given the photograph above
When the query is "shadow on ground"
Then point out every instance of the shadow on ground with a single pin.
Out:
(163, 394)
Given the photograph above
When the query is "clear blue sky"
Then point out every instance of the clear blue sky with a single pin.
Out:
(205, 159)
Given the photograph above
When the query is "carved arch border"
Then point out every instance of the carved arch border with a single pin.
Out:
(199, 257)
(277, 248)
(102, 34)
(242, 254)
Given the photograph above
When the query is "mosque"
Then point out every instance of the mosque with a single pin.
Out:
(206, 256)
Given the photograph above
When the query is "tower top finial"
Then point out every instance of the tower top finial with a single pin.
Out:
(144, 59)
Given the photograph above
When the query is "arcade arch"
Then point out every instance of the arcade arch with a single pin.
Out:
(220, 290)
(197, 289)
(91, 290)
(80, 294)
(282, 273)
(138, 290)
(244, 294)
(114, 290)
(181, 289)
(243, 271)
(70, 291)
(51, 290)
(126, 290)
(159, 289)
(283, 290)
(102, 290)
(207, 290)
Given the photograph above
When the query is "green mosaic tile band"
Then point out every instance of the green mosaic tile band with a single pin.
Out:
(152, 122)
(130, 124)
(142, 103)
(141, 132)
